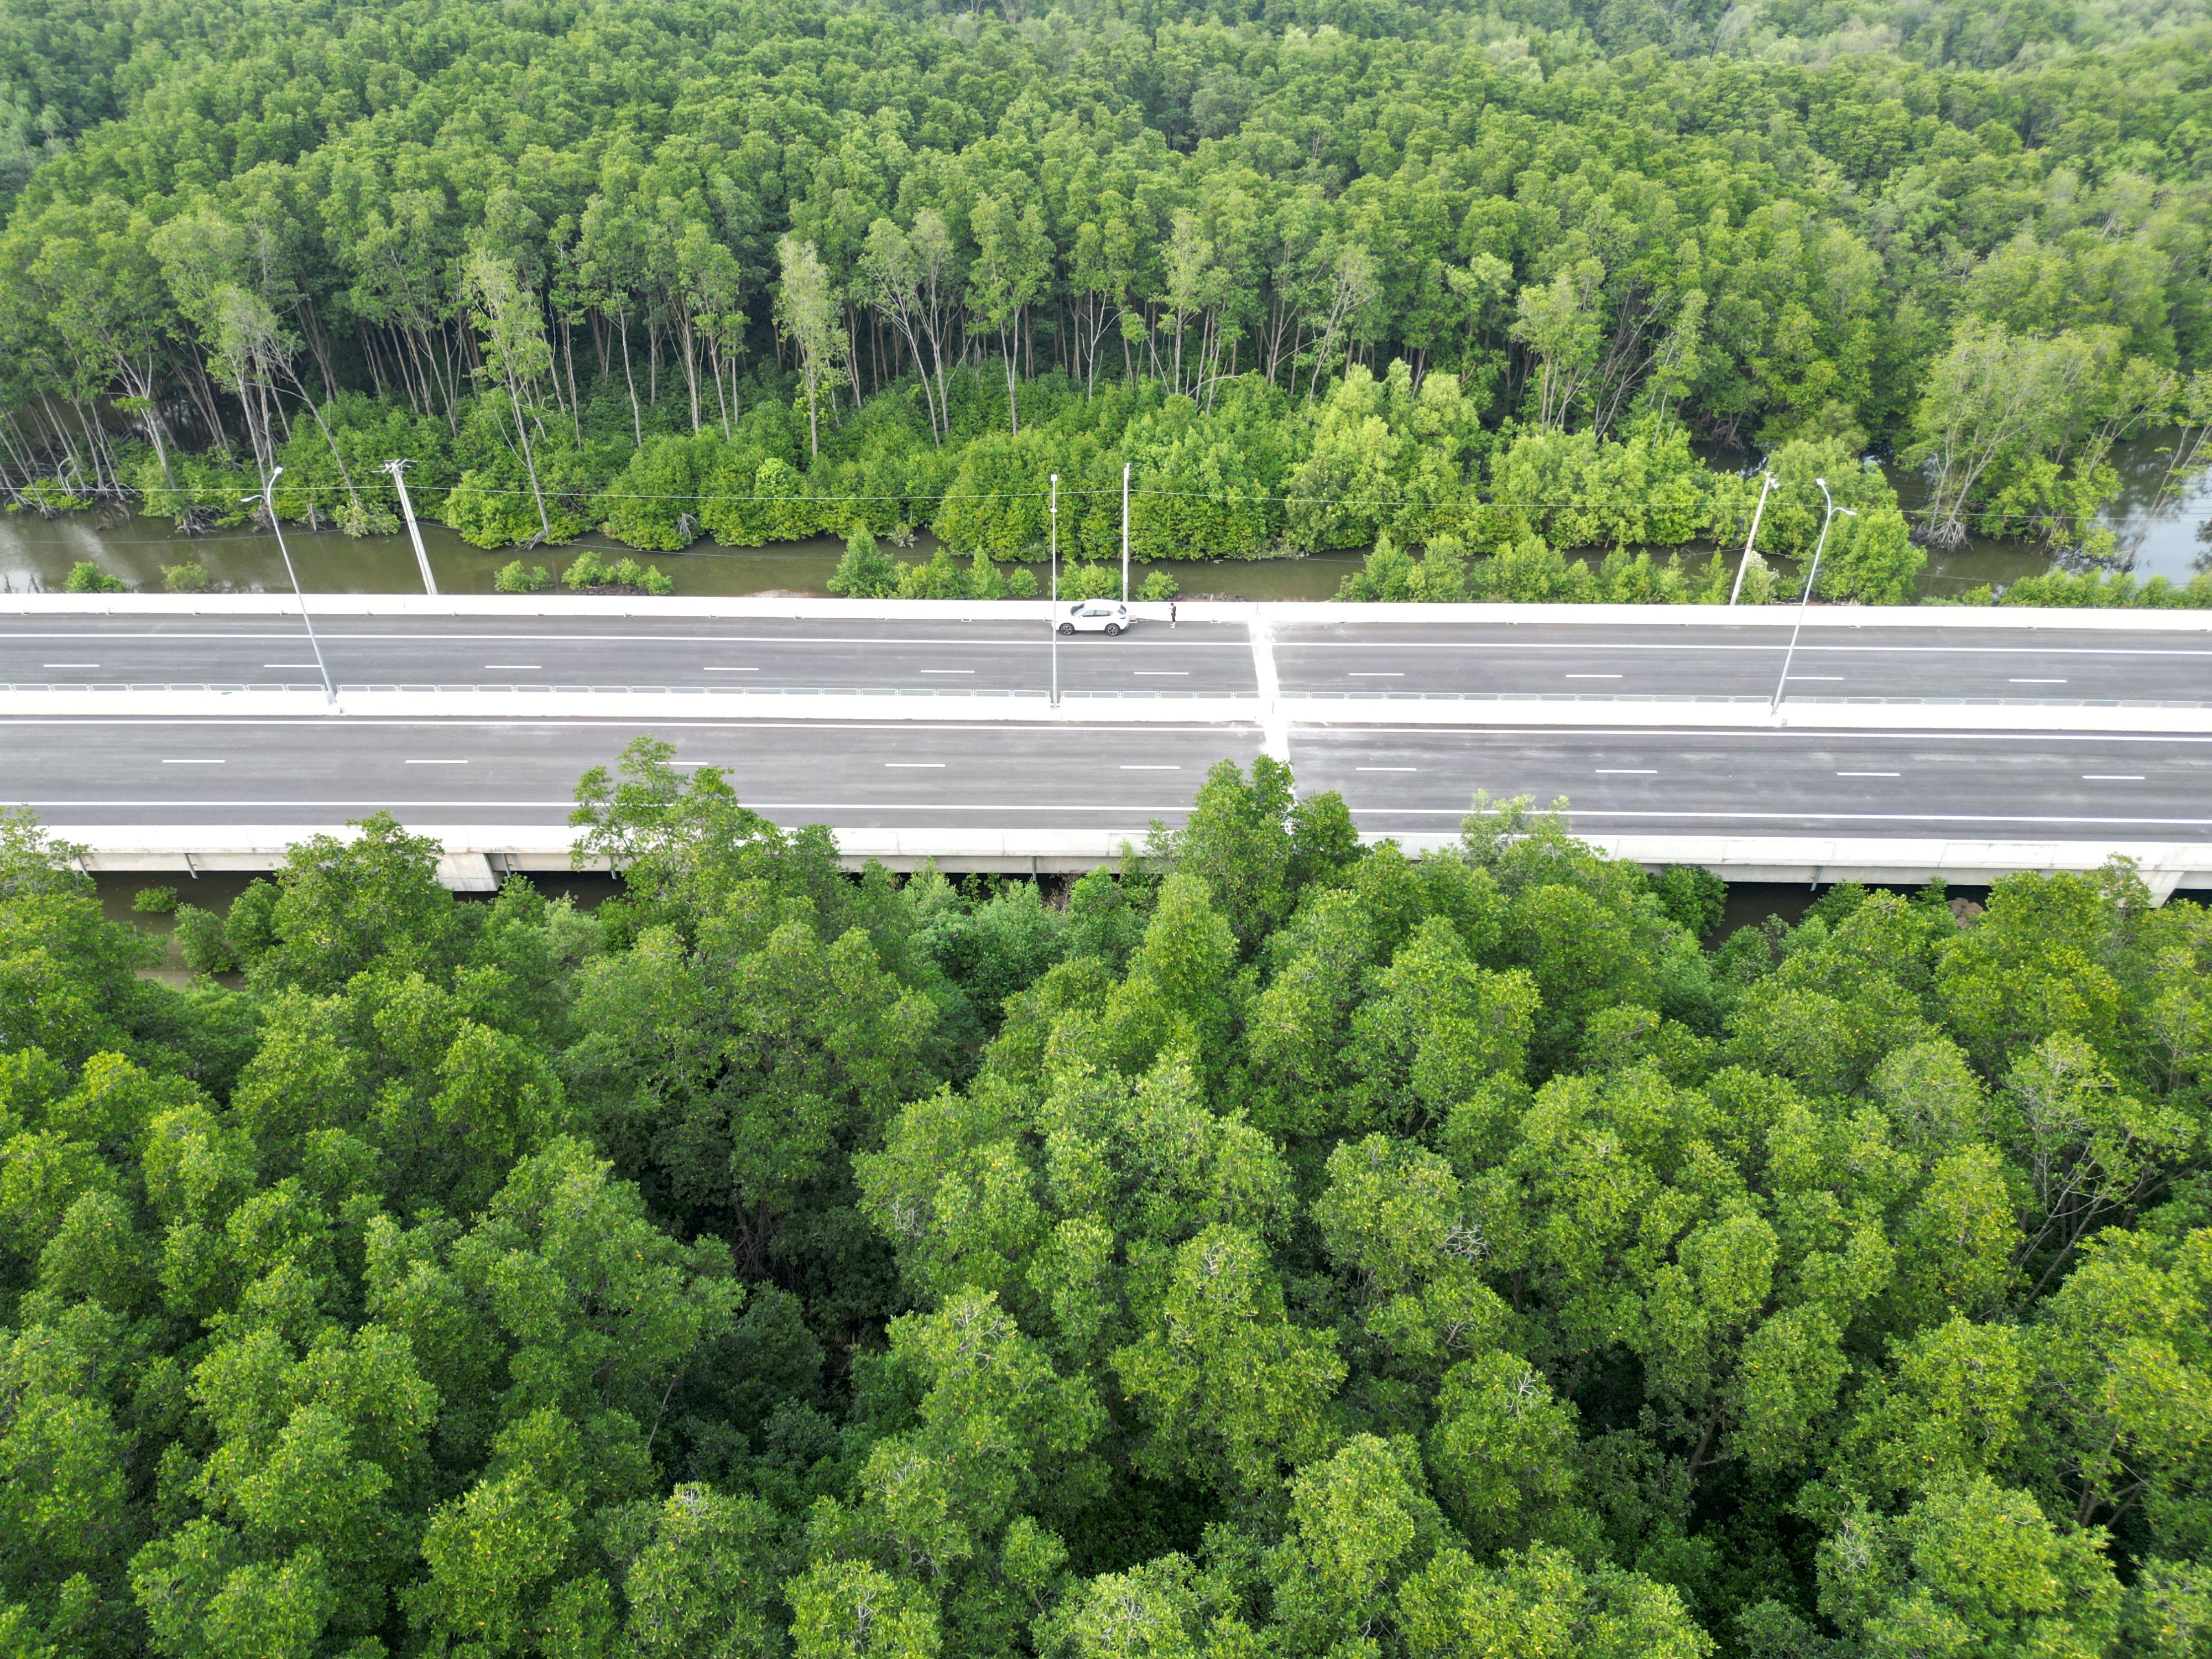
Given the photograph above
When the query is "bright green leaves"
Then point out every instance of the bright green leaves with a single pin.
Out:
(1040, 1203)
(1360, 1522)
(1393, 1215)
(1502, 1448)
(2047, 957)
(492, 1098)
(1843, 999)
(1540, 1605)
(1971, 1569)
(495, 1554)
(1180, 995)
(850, 1610)
(2124, 1361)
(310, 1492)
(1165, 1608)
(1254, 845)
(68, 983)
(998, 1428)
(345, 905)
(601, 1307)
(1229, 1388)
(1295, 1028)
(745, 1068)
(62, 1450)
(2092, 1150)
(1435, 1029)
(701, 1583)
(203, 1601)
(1729, 1238)
(1955, 1404)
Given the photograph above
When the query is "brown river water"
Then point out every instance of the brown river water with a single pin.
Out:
(36, 554)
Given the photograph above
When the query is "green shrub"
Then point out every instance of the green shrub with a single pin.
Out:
(589, 570)
(1157, 587)
(516, 579)
(1695, 897)
(190, 577)
(201, 941)
(1089, 581)
(154, 901)
(1022, 584)
(939, 579)
(865, 572)
(85, 577)
(2104, 591)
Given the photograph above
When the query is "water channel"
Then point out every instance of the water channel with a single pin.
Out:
(36, 554)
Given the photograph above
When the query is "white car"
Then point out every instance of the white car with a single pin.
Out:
(1094, 616)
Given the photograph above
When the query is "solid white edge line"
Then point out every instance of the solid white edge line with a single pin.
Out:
(567, 802)
(1811, 815)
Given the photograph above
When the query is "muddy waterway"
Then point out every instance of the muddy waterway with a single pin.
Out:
(36, 554)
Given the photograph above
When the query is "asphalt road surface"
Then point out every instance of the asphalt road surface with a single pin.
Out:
(1210, 659)
(2000, 785)
(748, 655)
(1566, 659)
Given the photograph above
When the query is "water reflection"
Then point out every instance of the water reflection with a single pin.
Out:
(36, 554)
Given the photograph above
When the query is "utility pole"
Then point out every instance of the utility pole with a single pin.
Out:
(1052, 618)
(1766, 483)
(398, 471)
(1806, 598)
(1124, 532)
(267, 499)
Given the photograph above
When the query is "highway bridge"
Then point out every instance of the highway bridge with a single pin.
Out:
(164, 731)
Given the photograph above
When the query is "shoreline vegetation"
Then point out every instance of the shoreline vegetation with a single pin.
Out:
(1476, 291)
(1275, 1246)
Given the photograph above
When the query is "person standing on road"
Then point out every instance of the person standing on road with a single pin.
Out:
(1171, 610)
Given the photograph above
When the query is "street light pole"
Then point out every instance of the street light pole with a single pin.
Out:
(1766, 483)
(1124, 532)
(267, 499)
(1052, 621)
(1806, 598)
(398, 471)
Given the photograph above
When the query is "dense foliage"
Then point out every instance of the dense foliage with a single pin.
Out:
(1281, 1247)
(1318, 273)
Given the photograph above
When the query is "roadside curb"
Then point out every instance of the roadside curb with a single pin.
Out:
(1279, 613)
(477, 857)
